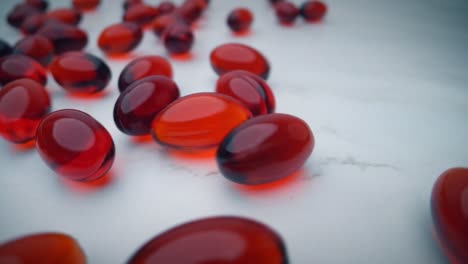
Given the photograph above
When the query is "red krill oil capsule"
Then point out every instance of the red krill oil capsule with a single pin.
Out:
(240, 19)
(17, 66)
(234, 56)
(69, 16)
(248, 88)
(64, 37)
(141, 14)
(143, 67)
(232, 240)
(33, 23)
(20, 12)
(313, 11)
(37, 47)
(40, 4)
(450, 213)
(5, 48)
(163, 22)
(166, 7)
(120, 38)
(128, 3)
(191, 10)
(264, 149)
(54, 248)
(178, 39)
(80, 73)
(137, 106)
(86, 5)
(286, 12)
(75, 145)
(23, 103)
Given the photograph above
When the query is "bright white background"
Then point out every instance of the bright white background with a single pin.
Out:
(383, 85)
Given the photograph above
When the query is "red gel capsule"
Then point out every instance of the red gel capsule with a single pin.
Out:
(191, 10)
(23, 103)
(166, 7)
(141, 14)
(233, 56)
(81, 73)
(143, 67)
(249, 89)
(17, 66)
(86, 5)
(5, 48)
(240, 19)
(33, 23)
(161, 23)
(37, 47)
(450, 213)
(69, 16)
(313, 11)
(198, 121)
(54, 248)
(75, 145)
(264, 149)
(64, 37)
(178, 38)
(20, 12)
(120, 38)
(40, 4)
(286, 12)
(232, 240)
(137, 106)
(128, 3)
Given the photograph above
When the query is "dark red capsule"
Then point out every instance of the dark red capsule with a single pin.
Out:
(5, 48)
(143, 67)
(69, 16)
(23, 103)
(17, 66)
(64, 37)
(40, 4)
(120, 38)
(37, 47)
(128, 3)
(79, 72)
(75, 145)
(286, 12)
(191, 10)
(248, 88)
(163, 22)
(166, 7)
(313, 11)
(20, 12)
(240, 19)
(232, 240)
(33, 23)
(141, 14)
(86, 5)
(137, 106)
(178, 39)
(264, 149)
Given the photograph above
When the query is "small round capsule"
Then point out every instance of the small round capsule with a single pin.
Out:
(178, 39)
(313, 11)
(240, 19)
(120, 38)
(286, 12)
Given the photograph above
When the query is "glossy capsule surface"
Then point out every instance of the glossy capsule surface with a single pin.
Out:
(178, 38)
(20, 12)
(75, 145)
(86, 5)
(137, 106)
(54, 248)
(166, 7)
(69, 16)
(313, 11)
(79, 72)
(232, 240)
(191, 10)
(163, 22)
(17, 66)
(141, 14)
(143, 67)
(23, 103)
(248, 88)
(33, 23)
(198, 121)
(64, 37)
(120, 38)
(286, 12)
(450, 213)
(37, 47)
(234, 56)
(264, 149)
(240, 19)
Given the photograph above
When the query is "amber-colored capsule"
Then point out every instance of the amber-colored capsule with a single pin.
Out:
(20, 12)
(143, 67)
(54, 248)
(69, 16)
(234, 56)
(264, 149)
(120, 38)
(163, 22)
(178, 38)
(79, 72)
(198, 121)
(141, 14)
(248, 88)
(232, 240)
(17, 66)
(64, 37)
(40, 4)
(5, 48)
(86, 5)
(37, 47)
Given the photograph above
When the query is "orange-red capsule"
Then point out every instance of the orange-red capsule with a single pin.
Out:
(120, 38)
(69, 16)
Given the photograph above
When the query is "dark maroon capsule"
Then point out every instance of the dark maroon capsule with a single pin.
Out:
(40, 4)
(20, 12)
(313, 11)
(137, 106)
(240, 19)
(69, 16)
(191, 10)
(128, 3)
(64, 37)
(163, 22)
(178, 39)
(166, 7)
(33, 23)
(37, 47)
(286, 12)
(17, 66)
(5, 48)
(141, 14)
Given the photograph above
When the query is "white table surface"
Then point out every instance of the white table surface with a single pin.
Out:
(382, 84)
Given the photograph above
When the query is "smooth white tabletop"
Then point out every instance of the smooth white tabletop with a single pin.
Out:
(382, 84)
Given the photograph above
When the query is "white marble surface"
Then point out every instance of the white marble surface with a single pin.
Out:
(383, 85)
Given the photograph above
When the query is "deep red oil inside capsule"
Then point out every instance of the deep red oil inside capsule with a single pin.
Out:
(286, 12)
(37, 47)
(64, 37)
(40, 4)
(249, 89)
(234, 56)
(137, 106)
(450, 213)
(23, 103)
(264, 149)
(231, 240)
(143, 67)
(5, 48)
(69, 16)
(313, 10)
(240, 19)
(161, 23)
(33, 23)
(178, 38)
(120, 38)
(17, 66)
(20, 12)
(75, 145)
(47, 247)
(86, 5)
(166, 7)
(191, 10)
(79, 72)
(141, 14)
